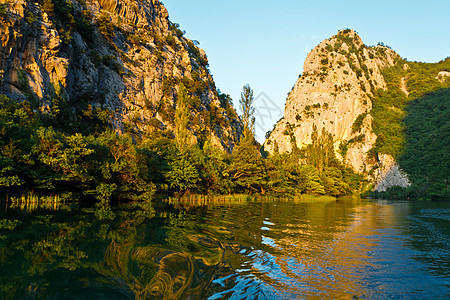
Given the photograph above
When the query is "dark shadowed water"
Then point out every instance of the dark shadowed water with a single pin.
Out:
(345, 249)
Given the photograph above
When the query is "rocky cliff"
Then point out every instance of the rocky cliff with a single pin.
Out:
(121, 55)
(335, 91)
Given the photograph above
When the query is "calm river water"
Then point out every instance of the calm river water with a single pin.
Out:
(345, 249)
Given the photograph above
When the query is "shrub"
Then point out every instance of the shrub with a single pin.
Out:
(175, 27)
(192, 48)
(30, 17)
(171, 41)
(48, 7)
(3, 9)
(337, 46)
(84, 24)
(365, 70)
(203, 61)
(343, 149)
(135, 39)
(358, 122)
(105, 26)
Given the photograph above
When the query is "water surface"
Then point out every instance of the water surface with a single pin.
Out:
(244, 250)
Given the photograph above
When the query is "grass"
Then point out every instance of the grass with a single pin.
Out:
(314, 198)
(201, 200)
(32, 202)
(207, 200)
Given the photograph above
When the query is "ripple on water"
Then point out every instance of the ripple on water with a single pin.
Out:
(332, 250)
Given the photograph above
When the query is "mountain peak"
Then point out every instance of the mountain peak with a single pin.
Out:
(345, 42)
(351, 33)
(335, 94)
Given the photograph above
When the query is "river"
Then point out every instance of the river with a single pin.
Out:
(344, 249)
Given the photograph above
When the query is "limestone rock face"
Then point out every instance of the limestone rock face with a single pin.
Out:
(390, 174)
(121, 55)
(334, 93)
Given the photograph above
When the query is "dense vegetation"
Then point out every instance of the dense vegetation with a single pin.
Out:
(413, 127)
(80, 157)
(426, 157)
(389, 106)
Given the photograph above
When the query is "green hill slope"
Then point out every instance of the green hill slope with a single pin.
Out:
(411, 120)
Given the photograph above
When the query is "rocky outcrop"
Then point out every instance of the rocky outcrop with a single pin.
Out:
(442, 76)
(121, 55)
(334, 93)
(390, 174)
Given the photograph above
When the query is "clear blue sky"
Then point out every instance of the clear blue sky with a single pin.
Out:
(264, 43)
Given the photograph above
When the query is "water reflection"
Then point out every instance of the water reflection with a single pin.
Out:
(242, 250)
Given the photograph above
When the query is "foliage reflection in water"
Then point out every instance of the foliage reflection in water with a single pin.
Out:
(220, 250)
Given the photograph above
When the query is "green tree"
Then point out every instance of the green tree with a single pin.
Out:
(247, 170)
(210, 162)
(17, 122)
(68, 156)
(119, 161)
(320, 153)
(312, 179)
(183, 136)
(247, 109)
(183, 175)
(285, 176)
(334, 182)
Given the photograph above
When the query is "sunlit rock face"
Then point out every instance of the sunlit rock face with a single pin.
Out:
(334, 93)
(122, 55)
